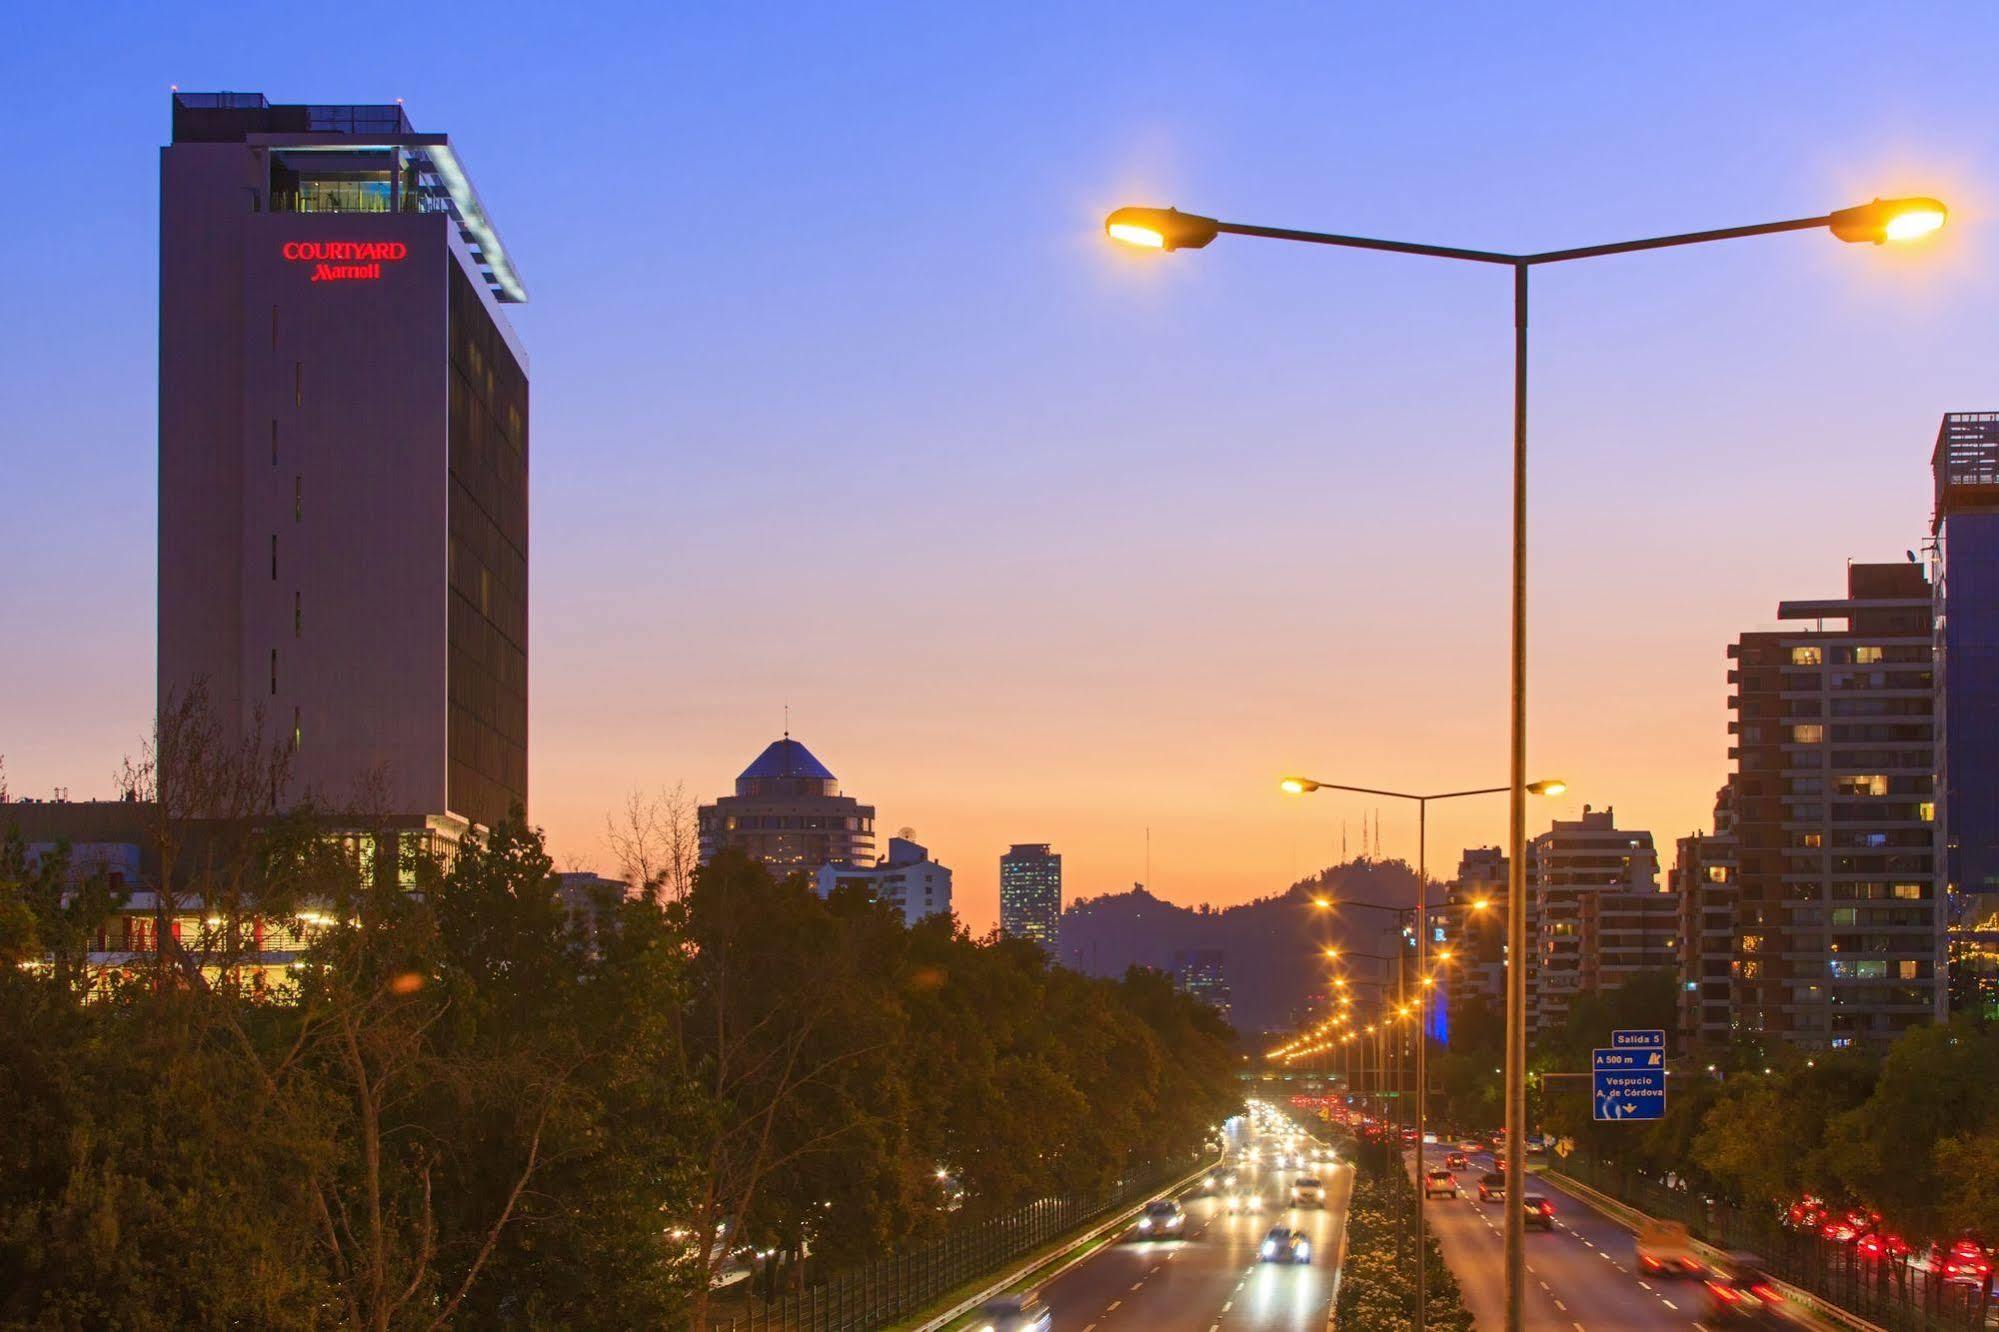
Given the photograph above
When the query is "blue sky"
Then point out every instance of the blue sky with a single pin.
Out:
(842, 401)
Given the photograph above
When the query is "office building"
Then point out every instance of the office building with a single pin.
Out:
(1595, 915)
(1705, 887)
(789, 813)
(1031, 895)
(1839, 915)
(1201, 973)
(909, 880)
(343, 457)
(1964, 567)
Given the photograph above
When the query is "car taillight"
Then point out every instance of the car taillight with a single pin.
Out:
(1727, 1294)
(1766, 1293)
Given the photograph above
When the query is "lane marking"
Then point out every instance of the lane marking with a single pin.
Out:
(1669, 1304)
(1558, 1304)
(1112, 1305)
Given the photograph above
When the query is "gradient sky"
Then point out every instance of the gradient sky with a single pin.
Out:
(842, 401)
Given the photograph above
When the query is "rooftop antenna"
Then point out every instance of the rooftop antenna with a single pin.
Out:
(787, 721)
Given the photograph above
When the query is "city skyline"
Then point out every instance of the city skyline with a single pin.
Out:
(1136, 652)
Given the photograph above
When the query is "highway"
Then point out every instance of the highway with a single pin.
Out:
(1580, 1276)
(1212, 1278)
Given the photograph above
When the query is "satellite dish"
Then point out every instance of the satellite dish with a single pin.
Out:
(906, 834)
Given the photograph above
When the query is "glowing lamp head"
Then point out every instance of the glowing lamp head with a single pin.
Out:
(1161, 228)
(1547, 788)
(1886, 220)
(1297, 785)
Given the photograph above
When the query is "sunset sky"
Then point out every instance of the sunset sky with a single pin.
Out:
(843, 403)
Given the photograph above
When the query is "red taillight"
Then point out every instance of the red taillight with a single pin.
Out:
(1766, 1293)
(1725, 1293)
(1651, 1264)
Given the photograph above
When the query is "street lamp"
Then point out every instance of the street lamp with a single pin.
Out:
(1305, 786)
(1168, 229)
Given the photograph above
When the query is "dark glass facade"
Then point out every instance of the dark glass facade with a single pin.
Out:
(488, 665)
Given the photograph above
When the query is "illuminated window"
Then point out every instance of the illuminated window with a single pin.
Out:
(1927, 811)
(1807, 656)
(1866, 656)
(1909, 970)
(1809, 734)
(1717, 873)
(1752, 943)
(296, 733)
(1910, 892)
(1866, 784)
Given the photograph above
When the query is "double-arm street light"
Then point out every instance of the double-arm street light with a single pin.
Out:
(1170, 229)
(1307, 785)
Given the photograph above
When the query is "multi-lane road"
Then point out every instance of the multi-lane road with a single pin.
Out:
(1580, 1275)
(1212, 1278)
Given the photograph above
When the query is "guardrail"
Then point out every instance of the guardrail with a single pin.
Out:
(1831, 1279)
(899, 1286)
(1052, 1265)
(1631, 1218)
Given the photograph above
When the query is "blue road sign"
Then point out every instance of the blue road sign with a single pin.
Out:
(1638, 1040)
(1628, 1093)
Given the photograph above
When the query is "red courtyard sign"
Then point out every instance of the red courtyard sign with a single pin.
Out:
(344, 261)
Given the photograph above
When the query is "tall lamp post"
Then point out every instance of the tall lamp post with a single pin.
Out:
(1307, 785)
(1169, 229)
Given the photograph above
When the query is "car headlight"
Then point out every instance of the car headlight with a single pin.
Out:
(1304, 1249)
(1174, 1222)
(1145, 1223)
(1268, 1248)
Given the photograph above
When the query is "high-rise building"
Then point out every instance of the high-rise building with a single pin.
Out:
(343, 435)
(1595, 917)
(909, 880)
(1474, 917)
(1201, 973)
(1965, 588)
(1839, 917)
(1031, 894)
(1704, 883)
(788, 812)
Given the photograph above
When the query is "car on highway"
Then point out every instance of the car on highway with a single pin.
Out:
(1469, 1145)
(1666, 1248)
(1163, 1219)
(1457, 1161)
(1308, 1191)
(1850, 1225)
(1285, 1245)
(1739, 1293)
(1963, 1263)
(1248, 1201)
(1013, 1313)
(1539, 1211)
(1440, 1184)
(1492, 1186)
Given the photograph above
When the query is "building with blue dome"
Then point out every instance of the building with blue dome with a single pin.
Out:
(788, 812)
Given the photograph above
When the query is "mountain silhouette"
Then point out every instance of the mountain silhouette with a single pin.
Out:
(1272, 948)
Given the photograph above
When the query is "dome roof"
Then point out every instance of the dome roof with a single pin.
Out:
(786, 758)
